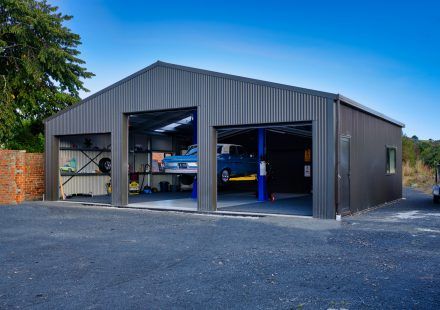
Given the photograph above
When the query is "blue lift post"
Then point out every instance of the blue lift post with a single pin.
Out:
(262, 182)
(194, 190)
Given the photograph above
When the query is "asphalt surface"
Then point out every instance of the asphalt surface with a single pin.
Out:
(74, 257)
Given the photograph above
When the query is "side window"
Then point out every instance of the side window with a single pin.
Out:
(233, 150)
(241, 150)
(391, 159)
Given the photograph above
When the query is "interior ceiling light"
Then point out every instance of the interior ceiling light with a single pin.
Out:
(185, 120)
(172, 126)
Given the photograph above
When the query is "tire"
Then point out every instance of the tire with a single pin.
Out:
(186, 179)
(224, 177)
(436, 199)
(105, 165)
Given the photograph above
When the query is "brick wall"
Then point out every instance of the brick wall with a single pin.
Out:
(21, 176)
(34, 176)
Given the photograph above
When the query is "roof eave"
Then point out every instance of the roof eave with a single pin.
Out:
(153, 65)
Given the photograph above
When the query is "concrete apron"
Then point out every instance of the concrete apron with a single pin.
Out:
(170, 206)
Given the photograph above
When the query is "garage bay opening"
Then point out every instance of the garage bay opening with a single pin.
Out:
(163, 160)
(265, 169)
(85, 167)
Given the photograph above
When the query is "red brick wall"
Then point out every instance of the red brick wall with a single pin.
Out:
(34, 175)
(21, 176)
(8, 188)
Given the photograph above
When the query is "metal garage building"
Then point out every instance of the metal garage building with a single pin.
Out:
(356, 152)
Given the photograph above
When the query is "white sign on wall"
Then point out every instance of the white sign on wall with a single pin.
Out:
(307, 171)
(262, 168)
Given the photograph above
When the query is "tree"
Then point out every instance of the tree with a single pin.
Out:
(409, 152)
(430, 153)
(40, 72)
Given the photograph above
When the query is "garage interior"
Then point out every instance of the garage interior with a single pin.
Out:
(286, 187)
(151, 137)
(83, 167)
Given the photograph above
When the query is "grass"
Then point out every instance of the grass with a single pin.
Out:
(418, 176)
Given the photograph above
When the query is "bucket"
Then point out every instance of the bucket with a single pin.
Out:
(164, 186)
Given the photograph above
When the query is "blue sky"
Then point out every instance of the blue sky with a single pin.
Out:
(383, 54)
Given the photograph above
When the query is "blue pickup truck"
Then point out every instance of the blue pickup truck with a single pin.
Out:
(232, 161)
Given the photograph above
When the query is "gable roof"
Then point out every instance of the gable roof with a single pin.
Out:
(236, 78)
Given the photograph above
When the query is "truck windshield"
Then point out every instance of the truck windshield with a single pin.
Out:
(193, 150)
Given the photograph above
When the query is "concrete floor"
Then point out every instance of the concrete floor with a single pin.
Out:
(288, 204)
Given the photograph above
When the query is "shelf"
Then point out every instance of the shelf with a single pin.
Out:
(152, 173)
(64, 174)
(84, 174)
(82, 149)
(140, 152)
(109, 150)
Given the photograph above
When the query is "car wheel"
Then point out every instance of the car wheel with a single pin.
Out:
(105, 165)
(225, 176)
(436, 199)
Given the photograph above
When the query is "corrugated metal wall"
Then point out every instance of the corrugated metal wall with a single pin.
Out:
(370, 185)
(221, 100)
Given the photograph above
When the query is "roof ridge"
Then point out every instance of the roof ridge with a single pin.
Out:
(160, 63)
(248, 79)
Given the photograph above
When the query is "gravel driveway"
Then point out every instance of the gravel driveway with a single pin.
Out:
(54, 256)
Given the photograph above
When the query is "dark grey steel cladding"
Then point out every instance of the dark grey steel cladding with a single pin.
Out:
(221, 100)
(370, 185)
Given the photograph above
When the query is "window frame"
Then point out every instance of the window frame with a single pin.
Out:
(388, 170)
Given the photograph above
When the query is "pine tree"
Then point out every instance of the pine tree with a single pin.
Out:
(40, 72)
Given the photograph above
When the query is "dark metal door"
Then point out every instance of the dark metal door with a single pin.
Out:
(344, 175)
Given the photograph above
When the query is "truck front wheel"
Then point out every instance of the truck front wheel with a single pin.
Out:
(186, 179)
(225, 176)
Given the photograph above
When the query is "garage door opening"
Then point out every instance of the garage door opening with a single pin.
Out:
(162, 160)
(84, 168)
(265, 169)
